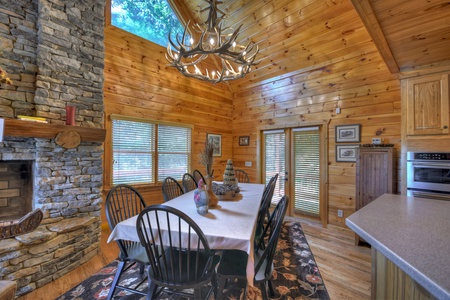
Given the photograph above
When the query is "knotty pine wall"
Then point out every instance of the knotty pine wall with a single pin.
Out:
(139, 83)
(359, 84)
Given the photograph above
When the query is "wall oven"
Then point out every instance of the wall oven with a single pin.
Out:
(428, 175)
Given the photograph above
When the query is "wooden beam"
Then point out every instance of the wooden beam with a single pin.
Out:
(367, 15)
(21, 128)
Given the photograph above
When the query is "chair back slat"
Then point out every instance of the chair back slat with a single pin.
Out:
(197, 176)
(263, 213)
(123, 202)
(189, 183)
(267, 255)
(179, 253)
(171, 189)
(241, 176)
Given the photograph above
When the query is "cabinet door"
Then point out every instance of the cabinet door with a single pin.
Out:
(427, 105)
(374, 175)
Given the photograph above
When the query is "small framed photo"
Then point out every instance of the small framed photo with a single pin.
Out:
(346, 153)
(217, 142)
(348, 133)
(244, 140)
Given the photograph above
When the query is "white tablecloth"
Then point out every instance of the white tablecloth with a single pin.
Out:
(230, 225)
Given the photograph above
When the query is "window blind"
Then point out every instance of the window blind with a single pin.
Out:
(146, 152)
(306, 142)
(133, 152)
(174, 151)
(275, 160)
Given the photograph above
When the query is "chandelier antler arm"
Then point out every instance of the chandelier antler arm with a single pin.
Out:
(213, 40)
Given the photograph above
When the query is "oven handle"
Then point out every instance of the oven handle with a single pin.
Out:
(431, 195)
(430, 165)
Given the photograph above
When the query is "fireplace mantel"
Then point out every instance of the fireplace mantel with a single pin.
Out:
(22, 128)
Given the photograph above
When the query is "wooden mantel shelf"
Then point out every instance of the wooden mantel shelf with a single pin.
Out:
(21, 128)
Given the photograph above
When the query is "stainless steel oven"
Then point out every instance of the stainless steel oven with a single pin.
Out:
(428, 174)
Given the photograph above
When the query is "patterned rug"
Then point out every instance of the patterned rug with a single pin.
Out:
(296, 275)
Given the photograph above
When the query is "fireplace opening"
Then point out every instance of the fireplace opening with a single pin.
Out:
(16, 189)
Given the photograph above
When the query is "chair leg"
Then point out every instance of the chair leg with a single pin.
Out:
(119, 271)
(152, 290)
(221, 282)
(263, 288)
(272, 292)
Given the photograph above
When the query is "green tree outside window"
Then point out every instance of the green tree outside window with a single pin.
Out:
(150, 19)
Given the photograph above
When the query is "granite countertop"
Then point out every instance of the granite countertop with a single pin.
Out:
(414, 233)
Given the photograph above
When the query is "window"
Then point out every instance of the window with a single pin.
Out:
(146, 152)
(150, 19)
(306, 142)
(275, 160)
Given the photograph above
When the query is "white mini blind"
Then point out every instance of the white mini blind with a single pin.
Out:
(275, 160)
(306, 142)
(174, 151)
(133, 147)
(146, 152)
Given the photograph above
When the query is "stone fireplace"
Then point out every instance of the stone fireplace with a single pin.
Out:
(16, 189)
(53, 52)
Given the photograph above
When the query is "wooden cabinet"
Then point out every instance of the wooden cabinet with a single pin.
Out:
(375, 175)
(427, 105)
(391, 282)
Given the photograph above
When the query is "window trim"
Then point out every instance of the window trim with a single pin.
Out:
(149, 121)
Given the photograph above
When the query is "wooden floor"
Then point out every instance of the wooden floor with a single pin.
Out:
(345, 268)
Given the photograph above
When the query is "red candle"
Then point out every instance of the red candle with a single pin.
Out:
(70, 115)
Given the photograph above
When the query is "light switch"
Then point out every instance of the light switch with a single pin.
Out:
(248, 163)
(338, 110)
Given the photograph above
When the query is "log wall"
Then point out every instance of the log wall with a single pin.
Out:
(139, 83)
(356, 81)
(347, 72)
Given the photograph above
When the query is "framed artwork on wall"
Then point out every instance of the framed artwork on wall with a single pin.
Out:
(217, 142)
(244, 140)
(348, 133)
(346, 153)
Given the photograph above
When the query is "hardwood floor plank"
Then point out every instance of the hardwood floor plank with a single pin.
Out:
(345, 268)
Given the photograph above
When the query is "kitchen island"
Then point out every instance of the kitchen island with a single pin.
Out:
(410, 239)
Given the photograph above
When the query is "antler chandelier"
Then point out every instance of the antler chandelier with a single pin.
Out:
(190, 57)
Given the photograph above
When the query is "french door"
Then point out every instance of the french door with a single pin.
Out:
(298, 155)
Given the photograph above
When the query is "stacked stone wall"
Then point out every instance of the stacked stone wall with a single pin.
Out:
(53, 52)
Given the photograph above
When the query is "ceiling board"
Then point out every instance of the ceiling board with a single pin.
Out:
(296, 36)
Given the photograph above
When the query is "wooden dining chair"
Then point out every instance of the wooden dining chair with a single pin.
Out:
(183, 261)
(233, 263)
(123, 202)
(197, 176)
(241, 176)
(264, 213)
(188, 183)
(171, 189)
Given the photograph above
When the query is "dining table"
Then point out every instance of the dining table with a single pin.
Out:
(228, 225)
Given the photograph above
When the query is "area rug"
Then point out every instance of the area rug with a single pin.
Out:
(296, 275)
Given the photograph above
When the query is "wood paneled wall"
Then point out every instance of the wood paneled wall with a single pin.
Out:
(139, 83)
(358, 82)
(347, 73)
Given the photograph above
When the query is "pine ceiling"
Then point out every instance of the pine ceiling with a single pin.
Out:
(307, 34)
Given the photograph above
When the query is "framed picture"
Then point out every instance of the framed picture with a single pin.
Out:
(346, 153)
(217, 142)
(244, 140)
(348, 133)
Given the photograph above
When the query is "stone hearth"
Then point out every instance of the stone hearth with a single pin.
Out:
(53, 52)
